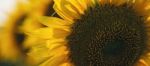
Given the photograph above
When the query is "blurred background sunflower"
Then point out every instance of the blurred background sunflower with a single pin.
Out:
(9, 51)
(18, 20)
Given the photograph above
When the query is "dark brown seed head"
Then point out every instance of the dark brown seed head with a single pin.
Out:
(107, 35)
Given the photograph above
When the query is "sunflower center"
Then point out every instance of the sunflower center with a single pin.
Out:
(107, 35)
(19, 37)
(114, 48)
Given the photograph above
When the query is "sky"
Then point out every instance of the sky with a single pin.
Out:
(6, 6)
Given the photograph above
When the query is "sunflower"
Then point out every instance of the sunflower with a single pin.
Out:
(19, 21)
(11, 37)
(94, 33)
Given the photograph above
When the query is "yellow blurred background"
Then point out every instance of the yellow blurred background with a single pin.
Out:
(6, 6)
(18, 17)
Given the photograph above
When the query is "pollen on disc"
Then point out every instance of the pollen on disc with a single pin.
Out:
(107, 35)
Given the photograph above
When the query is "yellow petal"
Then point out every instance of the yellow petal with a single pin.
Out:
(142, 63)
(62, 14)
(140, 7)
(59, 51)
(148, 19)
(83, 3)
(39, 53)
(60, 33)
(51, 21)
(43, 33)
(46, 56)
(145, 60)
(60, 3)
(55, 43)
(77, 5)
(58, 56)
(63, 7)
(118, 2)
(70, 9)
(147, 7)
(54, 22)
(54, 61)
(30, 24)
(31, 41)
(66, 64)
